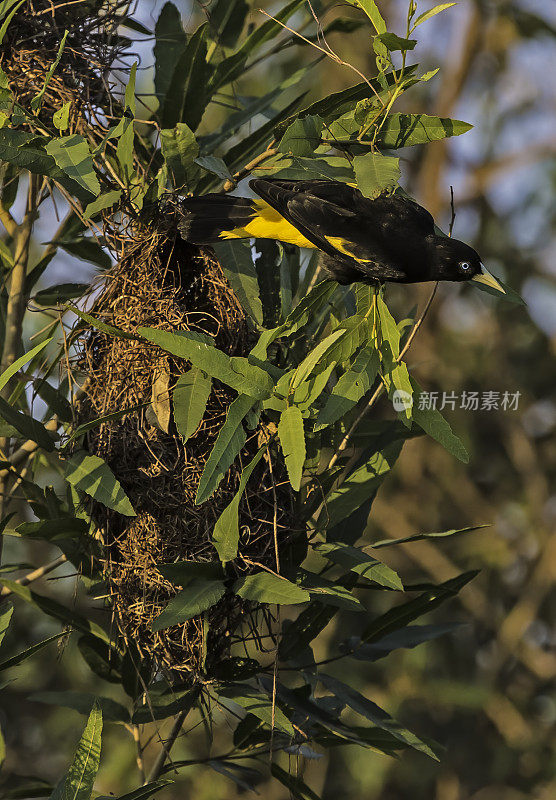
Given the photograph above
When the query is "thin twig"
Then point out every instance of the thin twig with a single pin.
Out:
(164, 753)
(326, 50)
(35, 575)
(379, 390)
(231, 184)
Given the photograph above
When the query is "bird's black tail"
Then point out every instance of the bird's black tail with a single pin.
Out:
(204, 218)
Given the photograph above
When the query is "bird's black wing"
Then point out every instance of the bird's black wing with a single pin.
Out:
(341, 222)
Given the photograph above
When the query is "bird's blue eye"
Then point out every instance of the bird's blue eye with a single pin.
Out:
(464, 266)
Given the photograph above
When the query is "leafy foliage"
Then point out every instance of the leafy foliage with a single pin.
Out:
(319, 359)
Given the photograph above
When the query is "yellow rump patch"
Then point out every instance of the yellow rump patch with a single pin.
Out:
(267, 223)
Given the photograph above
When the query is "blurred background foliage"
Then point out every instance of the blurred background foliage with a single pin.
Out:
(487, 690)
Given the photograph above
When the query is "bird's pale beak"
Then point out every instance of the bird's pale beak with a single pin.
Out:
(488, 280)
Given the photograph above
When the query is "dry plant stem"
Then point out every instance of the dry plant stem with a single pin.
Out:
(15, 308)
(36, 574)
(231, 184)
(379, 390)
(164, 753)
(139, 757)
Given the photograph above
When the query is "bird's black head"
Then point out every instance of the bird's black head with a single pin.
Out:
(456, 261)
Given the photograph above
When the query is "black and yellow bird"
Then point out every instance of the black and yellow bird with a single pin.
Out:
(389, 238)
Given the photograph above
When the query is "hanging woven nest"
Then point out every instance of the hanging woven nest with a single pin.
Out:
(162, 282)
(82, 67)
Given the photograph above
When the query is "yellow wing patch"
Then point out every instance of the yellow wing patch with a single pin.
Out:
(267, 223)
(342, 245)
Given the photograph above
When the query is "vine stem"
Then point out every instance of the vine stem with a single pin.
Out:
(380, 389)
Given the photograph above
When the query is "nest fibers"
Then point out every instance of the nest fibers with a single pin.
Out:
(93, 47)
(160, 281)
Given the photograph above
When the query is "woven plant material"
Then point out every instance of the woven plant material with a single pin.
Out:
(162, 282)
(92, 46)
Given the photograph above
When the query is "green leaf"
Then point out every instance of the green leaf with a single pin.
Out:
(301, 632)
(434, 424)
(83, 702)
(237, 155)
(393, 42)
(60, 293)
(8, 19)
(180, 149)
(90, 474)
(19, 658)
(335, 168)
(350, 388)
(170, 43)
(25, 150)
(376, 174)
(56, 528)
(417, 537)
(231, 439)
(330, 592)
(235, 371)
(79, 780)
(61, 117)
(232, 67)
(302, 137)
(190, 396)
(106, 200)
(166, 705)
(296, 787)
(366, 708)
(143, 792)
(399, 616)
(358, 561)
(72, 155)
(87, 249)
(315, 357)
(227, 18)
(406, 130)
(181, 573)
(237, 262)
(360, 486)
(259, 704)
(102, 326)
(29, 428)
(187, 94)
(37, 99)
(215, 165)
(124, 147)
(339, 103)
(431, 13)
(264, 587)
(371, 10)
(292, 439)
(6, 611)
(226, 530)
(54, 609)
(198, 596)
(129, 96)
(407, 638)
(24, 359)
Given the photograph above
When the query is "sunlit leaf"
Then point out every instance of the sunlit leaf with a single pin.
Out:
(90, 474)
(264, 587)
(198, 596)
